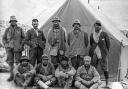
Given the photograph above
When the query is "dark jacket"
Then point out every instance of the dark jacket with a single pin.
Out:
(33, 40)
(104, 44)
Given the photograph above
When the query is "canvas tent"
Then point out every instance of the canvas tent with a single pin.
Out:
(79, 9)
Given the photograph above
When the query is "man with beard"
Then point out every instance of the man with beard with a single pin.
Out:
(99, 48)
(24, 73)
(87, 76)
(45, 73)
(56, 40)
(65, 73)
(35, 39)
(77, 41)
(13, 43)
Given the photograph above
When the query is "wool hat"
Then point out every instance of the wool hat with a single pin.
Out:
(23, 58)
(56, 19)
(13, 18)
(76, 21)
(44, 57)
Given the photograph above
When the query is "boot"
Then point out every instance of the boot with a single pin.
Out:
(10, 78)
(11, 74)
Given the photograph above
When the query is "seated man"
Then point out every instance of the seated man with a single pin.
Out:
(45, 74)
(65, 73)
(87, 76)
(23, 73)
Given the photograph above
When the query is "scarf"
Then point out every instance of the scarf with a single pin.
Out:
(96, 36)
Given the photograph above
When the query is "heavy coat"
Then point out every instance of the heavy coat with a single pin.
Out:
(77, 41)
(13, 38)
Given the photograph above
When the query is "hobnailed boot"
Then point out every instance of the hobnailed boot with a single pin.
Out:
(10, 78)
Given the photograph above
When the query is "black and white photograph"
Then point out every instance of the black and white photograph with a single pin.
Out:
(63, 44)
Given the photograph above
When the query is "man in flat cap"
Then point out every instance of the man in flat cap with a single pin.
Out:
(56, 40)
(99, 48)
(24, 73)
(87, 76)
(65, 73)
(45, 73)
(13, 43)
(35, 39)
(78, 42)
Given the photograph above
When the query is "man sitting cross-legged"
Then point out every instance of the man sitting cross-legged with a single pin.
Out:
(44, 74)
(87, 76)
(65, 73)
(23, 73)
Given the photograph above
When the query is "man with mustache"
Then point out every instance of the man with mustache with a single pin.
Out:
(45, 73)
(65, 73)
(78, 42)
(57, 41)
(87, 76)
(13, 39)
(24, 73)
(99, 48)
(35, 39)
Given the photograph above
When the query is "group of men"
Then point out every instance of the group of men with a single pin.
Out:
(39, 70)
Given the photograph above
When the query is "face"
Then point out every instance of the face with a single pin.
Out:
(64, 63)
(24, 62)
(35, 24)
(44, 62)
(55, 24)
(97, 28)
(13, 22)
(76, 26)
(87, 62)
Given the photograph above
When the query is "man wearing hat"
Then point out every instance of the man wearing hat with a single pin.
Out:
(57, 41)
(65, 73)
(78, 42)
(99, 48)
(23, 73)
(87, 76)
(13, 43)
(45, 73)
(35, 39)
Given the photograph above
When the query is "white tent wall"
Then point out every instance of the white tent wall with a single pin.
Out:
(124, 61)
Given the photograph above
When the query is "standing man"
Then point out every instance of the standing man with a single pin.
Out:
(45, 73)
(78, 42)
(100, 44)
(87, 76)
(13, 43)
(35, 39)
(65, 73)
(56, 40)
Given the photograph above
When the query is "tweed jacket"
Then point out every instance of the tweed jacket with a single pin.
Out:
(33, 40)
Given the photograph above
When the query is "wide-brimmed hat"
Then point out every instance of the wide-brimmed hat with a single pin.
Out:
(44, 57)
(76, 21)
(24, 58)
(56, 19)
(98, 22)
(13, 18)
